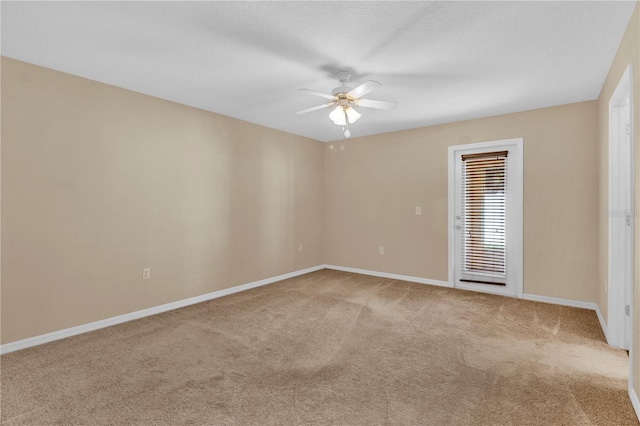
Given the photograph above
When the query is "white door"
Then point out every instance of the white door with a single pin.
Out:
(485, 235)
(621, 215)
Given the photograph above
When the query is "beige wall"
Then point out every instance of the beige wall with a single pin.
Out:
(374, 184)
(628, 52)
(99, 182)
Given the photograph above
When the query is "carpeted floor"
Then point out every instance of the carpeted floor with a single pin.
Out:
(329, 348)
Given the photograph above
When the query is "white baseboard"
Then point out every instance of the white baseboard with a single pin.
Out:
(573, 303)
(96, 325)
(559, 301)
(387, 275)
(635, 402)
(603, 323)
(532, 297)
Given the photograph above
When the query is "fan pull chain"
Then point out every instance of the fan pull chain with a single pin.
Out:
(347, 133)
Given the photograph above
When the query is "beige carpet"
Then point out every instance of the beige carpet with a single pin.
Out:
(329, 348)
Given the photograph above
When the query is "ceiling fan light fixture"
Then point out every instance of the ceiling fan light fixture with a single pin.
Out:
(338, 116)
(352, 115)
(344, 98)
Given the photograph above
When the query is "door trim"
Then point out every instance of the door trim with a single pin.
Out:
(616, 299)
(516, 178)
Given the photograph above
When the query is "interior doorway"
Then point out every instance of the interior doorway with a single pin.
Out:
(621, 212)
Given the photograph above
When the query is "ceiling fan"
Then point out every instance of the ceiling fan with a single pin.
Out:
(345, 99)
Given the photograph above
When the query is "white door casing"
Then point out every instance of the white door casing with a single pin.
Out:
(621, 214)
(514, 208)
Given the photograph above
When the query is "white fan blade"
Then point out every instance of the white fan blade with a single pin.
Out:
(364, 88)
(327, 105)
(322, 95)
(370, 103)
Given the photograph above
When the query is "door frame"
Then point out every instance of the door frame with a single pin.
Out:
(619, 294)
(516, 179)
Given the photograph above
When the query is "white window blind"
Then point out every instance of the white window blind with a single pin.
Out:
(484, 211)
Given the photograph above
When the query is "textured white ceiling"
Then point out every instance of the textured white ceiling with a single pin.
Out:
(442, 61)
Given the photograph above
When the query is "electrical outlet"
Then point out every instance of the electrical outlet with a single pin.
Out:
(300, 248)
(418, 210)
(146, 273)
(381, 250)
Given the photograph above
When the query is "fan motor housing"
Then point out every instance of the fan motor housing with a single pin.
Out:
(341, 89)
